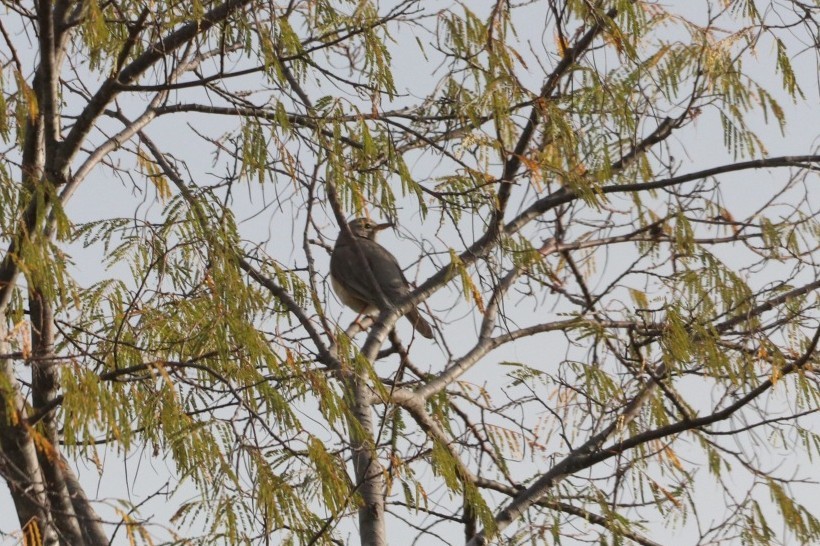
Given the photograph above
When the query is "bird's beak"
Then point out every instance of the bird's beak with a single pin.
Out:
(380, 227)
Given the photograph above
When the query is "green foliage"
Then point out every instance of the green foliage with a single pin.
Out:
(207, 343)
(798, 519)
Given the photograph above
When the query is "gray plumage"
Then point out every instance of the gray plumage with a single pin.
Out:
(354, 287)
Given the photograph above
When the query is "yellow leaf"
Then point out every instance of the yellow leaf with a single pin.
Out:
(673, 459)
(579, 170)
(153, 173)
(23, 333)
(290, 360)
(162, 186)
(666, 493)
(776, 375)
(477, 297)
(29, 96)
(31, 533)
(467, 284)
(726, 215)
(160, 367)
(535, 172)
(44, 446)
(639, 298)
(518, 57)
(561, 44)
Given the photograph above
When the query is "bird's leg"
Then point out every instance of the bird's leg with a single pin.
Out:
(360, 322)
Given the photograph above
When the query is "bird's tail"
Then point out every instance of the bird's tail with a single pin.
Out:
(422, 326)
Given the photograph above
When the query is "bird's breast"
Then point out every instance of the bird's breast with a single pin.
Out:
(349, 298)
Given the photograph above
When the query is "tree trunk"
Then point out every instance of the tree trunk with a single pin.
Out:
(369, 471)
(44, 390)
(18, 460)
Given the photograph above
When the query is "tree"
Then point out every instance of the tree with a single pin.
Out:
(626, 312)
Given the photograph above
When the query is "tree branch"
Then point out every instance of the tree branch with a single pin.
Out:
(593, 452)
(113, 85)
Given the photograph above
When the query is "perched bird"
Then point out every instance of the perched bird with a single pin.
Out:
(354, 286)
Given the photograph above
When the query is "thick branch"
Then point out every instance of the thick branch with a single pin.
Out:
(570, 57)
(592, 451)
(18, 456)
(486, 342)
(48, 71)
(608, 523)
(44, 387)
(113, 86)
(564, 196)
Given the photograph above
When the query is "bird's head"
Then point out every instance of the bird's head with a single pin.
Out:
(364, 227)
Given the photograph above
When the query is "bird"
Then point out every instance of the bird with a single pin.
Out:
(354, 286)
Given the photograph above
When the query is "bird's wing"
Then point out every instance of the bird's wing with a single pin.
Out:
(387, 270)
(346, 267)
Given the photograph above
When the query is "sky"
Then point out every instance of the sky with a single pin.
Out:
(262, 222)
